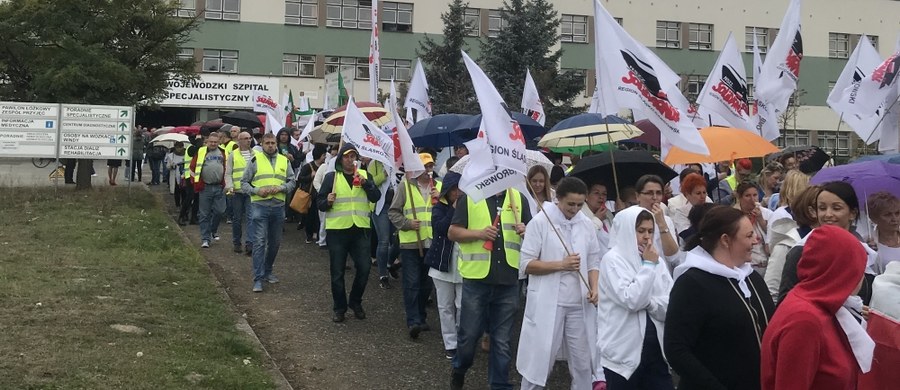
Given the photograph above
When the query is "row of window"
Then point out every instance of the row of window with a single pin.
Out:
(836, 143)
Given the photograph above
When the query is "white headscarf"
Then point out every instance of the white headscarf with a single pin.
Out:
(702, 260)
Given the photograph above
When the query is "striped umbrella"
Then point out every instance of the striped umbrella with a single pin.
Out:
(587, 132)
(373, 111)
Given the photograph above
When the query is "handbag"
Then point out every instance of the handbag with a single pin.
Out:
(301, 201)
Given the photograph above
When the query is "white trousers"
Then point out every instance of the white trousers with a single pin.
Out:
(569, 328)
(449, 300)
(321, 228)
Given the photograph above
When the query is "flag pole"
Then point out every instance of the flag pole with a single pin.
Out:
(612, 159)
(837, 136)
(561, 241)
(881, 120)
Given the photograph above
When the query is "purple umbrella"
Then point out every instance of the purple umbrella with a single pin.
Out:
(866, 178)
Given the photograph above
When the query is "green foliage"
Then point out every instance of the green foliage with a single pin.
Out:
(118, 52)
(450, 87)
(527, 43)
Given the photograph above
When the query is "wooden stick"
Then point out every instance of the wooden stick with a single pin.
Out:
(612, 160)
(512, 205)
(563, 242)
(412, 204)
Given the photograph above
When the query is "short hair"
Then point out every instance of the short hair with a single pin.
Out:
(743, 187)
(771, 168)
(783, 159)
(744, 163)
(844, 191)
(213, 134)
(269, 136)
(646, 179)
(881, 202)
(716, 222)
(685, 172)
(451, 161)
(698, 212)
(318, 151)
(570, 185)
(224, 133)
(794, 183)
(691, 182)
(801, 203)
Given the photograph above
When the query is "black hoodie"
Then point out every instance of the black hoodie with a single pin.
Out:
(327, 187)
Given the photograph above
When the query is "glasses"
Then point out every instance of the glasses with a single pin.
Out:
(652, 193)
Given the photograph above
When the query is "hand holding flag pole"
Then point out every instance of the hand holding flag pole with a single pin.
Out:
(558, 235)
(412, 204)
(489, 245)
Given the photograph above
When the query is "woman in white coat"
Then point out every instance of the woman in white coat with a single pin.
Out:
(631, 314)
(560, 308)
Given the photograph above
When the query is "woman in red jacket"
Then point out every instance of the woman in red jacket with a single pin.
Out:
(815, 340)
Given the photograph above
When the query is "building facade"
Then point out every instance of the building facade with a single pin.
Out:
(281, 45)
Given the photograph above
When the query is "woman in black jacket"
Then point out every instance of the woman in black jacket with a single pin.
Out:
(304, 182)
(441, 257)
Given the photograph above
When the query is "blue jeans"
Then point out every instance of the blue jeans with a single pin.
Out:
(155, 170)
(416, 286)
(494, 307)
(354, 242)
(267, 223)
(240, 208)
(384, 231)
(212, 206)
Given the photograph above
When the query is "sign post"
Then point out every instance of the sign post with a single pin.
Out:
(28, 130)
(96, 132)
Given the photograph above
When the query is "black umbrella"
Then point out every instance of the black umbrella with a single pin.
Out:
(243, 119)
(630, 165)
(440, 131)
(809, 158)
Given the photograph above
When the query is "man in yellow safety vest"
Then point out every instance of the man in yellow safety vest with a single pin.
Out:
(240, 202)
(490, 278)
(345, 197)
(410, 213)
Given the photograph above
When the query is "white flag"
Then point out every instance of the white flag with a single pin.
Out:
(875, 87)
(500, 145)
(725, 91)
(531, 101)
(418, 105)
(368, 138)
(843, 96)
(632, 76)
(310, 125)
(781, 71)
(889, 130)
(273, 122)
(374, 55)
(594, 108)
(264, 103)
(406, 160)
(765, 116)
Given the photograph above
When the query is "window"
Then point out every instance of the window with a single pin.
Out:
(838, 45)
(186, 53)
(361, 64)
(574, 28)
(223, 9)
(750, 92)
(301, 65)
(762, 38)
(220, 61)
(301, 12)
(692, 86)
(583, 74)
(355, 14)
(668, 34)
(790, 137)
(619, 21)
(473, 22)
(834, 142)
(400, 70)
(186, 9)
(397, 17)
(874, 40)
(700, 36)
(496, 22)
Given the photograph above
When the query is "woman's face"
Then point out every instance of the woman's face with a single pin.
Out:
(538, 183)
(644, 234)
(832, 210)
(571, 204)
(749, 199)
(650, 195)
(696, 196)
(773, 179)
(790, 163)
(283, 137)
(741, 244)
(889, 219)
(453, 195)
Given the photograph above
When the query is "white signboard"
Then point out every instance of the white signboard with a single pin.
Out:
(28, 129)
(95, 132)
(219, 91)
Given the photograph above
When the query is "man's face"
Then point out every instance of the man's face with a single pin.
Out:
(212, 141)
(269, 145)
(296, 134)
(244, 140)
(429, 168)
(235, 131)
(348, 161)
(743, 173)
(461, 151)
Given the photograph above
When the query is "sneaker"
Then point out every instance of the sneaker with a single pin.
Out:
(358, 312)
(272, 279)
(248, 250)
(309, 241)
(385, 283)
(394, 271)
(216, 237)
(204, 244)
(457, 380)
(450, 354)
(238, 248)
(257, 286)
(414, 331)
(228, 221)
(338, 317)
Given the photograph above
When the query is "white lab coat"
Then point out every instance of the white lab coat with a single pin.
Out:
(535, 358)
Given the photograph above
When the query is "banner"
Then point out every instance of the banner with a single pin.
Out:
(374, 55)
(781, 70)
(843, 96)
(765, 116)
(725, 91)
(418, 105)
(531, 101)
(875, 87)
(631, 76)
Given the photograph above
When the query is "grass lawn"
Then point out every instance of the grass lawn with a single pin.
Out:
(72, 264)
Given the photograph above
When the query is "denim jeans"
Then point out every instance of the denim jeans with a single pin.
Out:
(212, 206)
(240, 207)
(384, 231)
(267, 229)
(155, 170)
(354, 242)
(416, 286)
(492, 306)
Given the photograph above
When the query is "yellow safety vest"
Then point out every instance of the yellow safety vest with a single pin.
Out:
(267, 176)
(187, 164)
(423, 213)
(474, 260)
(351, 206)
(230, 147)
(239, 164)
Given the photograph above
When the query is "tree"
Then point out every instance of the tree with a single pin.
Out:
(449, 84)
(115, 52)
(526, 42)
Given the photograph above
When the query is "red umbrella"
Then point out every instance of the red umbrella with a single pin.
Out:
(651, 133)
(188, 130)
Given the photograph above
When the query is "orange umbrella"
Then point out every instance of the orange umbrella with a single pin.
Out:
(373, 112)
(725, 144)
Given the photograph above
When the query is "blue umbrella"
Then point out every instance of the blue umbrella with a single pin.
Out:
(531, 129)
(441, 131)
